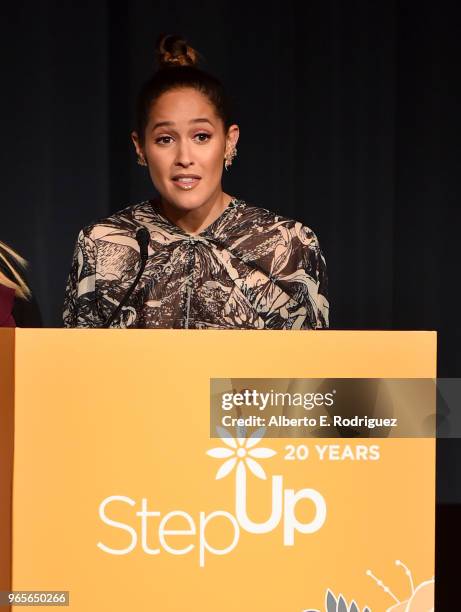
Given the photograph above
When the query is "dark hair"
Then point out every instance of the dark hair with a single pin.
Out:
(177, 67)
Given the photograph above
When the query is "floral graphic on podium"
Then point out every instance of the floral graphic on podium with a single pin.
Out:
(421, 598)
(339, 604)
(240, 452)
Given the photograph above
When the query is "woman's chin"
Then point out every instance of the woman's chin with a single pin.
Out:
(186, 201)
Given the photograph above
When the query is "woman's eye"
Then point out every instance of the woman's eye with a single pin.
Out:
(202, 137)
(165, 140)
(162, 139)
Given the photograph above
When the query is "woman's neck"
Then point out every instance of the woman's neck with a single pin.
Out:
(196, 220)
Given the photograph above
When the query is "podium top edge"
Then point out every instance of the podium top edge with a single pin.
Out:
(21, 330)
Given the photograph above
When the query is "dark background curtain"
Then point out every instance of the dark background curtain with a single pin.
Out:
(349, 120)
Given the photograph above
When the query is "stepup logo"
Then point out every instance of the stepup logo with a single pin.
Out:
(240, 455)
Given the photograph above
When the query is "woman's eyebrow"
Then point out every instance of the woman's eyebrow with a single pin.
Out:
(201, 120)
(170, 123)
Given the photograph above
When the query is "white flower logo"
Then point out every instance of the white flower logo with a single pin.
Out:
(241, 451)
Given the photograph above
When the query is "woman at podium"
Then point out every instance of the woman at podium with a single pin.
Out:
(194, 257)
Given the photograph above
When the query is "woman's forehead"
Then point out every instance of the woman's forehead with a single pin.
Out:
(182, 105)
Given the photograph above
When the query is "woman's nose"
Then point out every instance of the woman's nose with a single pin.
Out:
(184, 154)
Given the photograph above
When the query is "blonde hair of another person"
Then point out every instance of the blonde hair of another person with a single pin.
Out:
(15, 282)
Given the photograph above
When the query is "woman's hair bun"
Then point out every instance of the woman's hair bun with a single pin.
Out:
(172, 50)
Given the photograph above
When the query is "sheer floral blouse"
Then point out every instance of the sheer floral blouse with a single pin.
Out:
(249, 269)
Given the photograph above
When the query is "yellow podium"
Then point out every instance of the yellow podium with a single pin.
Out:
(115, 492)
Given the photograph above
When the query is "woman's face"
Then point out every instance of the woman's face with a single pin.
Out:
(184, 147)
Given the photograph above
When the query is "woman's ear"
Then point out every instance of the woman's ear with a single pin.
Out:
(137, 144)
(232, 137)
(138, 147)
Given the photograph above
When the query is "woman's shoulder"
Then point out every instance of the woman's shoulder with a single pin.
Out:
(127, 220)
(257, 219)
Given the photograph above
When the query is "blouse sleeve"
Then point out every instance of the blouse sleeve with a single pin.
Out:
(315, 280)
(318, 292)
(80, 305)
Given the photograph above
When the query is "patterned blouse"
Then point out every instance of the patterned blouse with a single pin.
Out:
(249, 269)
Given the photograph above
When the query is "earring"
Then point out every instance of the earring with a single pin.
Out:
(141, 161)
(230, 158)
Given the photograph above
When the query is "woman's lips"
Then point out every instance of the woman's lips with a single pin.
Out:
(186, 184)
